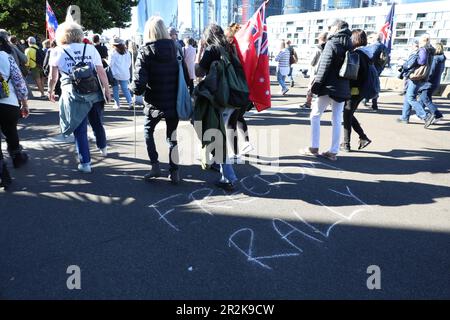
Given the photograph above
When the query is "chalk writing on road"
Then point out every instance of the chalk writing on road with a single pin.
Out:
(297, 233)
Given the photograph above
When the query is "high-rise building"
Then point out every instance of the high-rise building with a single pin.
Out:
(167, 9)
(299, 6)
(343, 4)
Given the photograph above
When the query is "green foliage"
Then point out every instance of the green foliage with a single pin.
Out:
(27, 17)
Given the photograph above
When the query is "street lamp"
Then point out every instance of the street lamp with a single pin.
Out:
(199, 2)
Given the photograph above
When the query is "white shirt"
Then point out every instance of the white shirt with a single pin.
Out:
(120, 65)
(58, 58)
(283, 61)
(189, 58)
(5, 68)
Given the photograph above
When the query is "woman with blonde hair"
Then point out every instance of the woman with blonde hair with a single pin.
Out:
(82, 99)
(156, 76)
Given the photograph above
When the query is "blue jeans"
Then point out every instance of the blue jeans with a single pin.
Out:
(281, 80)
(227, 172)
(410, 100)
(426, 100)
(124, 85)
(291, 74)
(80, 133)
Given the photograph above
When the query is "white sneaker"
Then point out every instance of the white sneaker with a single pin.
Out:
(104, 151)
(116, 106)
(85, 167)
(437, 120)
(247, 148)
(284, 91)
(415, 118)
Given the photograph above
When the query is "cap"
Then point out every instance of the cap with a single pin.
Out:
(172, 31)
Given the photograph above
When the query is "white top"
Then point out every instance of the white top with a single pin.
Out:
(283, 62)
(58, 58)
(5, 68)
(189, 58)
(120, 65)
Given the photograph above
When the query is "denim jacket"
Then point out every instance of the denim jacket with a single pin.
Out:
(74, 107)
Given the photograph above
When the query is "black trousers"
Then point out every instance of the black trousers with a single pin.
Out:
(350, 121)
(149, 130)
(9, 116)
(238, 117)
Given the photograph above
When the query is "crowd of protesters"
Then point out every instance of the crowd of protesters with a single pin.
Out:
(152, 72)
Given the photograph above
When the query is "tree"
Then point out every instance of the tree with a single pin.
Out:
(25, 18)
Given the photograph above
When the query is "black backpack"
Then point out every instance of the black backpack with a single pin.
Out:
(40, 57)
(350, 67)
(83, 76)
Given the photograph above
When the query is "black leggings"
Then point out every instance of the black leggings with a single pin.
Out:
(238, 117)
(9, 116)
(350, 121)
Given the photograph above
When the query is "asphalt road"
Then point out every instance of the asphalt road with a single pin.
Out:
(296, 228)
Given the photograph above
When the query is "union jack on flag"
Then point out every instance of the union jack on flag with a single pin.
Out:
(386, 30)
(253, 49)
(259, 32)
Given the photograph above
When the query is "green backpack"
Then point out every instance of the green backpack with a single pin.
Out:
(232, 91)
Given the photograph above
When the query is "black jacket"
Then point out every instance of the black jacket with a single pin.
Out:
(327, 81)
(363, 71)
(156, 75)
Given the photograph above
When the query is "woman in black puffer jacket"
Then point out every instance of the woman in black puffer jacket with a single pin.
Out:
(156, 76)
(330, 88)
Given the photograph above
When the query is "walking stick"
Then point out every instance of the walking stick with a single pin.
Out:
(134, 105)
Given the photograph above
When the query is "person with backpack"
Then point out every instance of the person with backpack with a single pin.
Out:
(101, 48)
(82, 77)
(215, 60)
(434, 81)
(13, 90)
(417, 72)
(283, 67)
(378, 51)
(35, 63)
(156, 77)
(359, 40)
(331, 88)
(120, 64)
(293, 59)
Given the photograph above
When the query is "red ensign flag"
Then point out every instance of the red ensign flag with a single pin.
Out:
(253, 50)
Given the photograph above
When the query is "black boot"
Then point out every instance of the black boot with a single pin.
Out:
(19, 157)
(5, 178)
(155, 172)
(175, 177)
